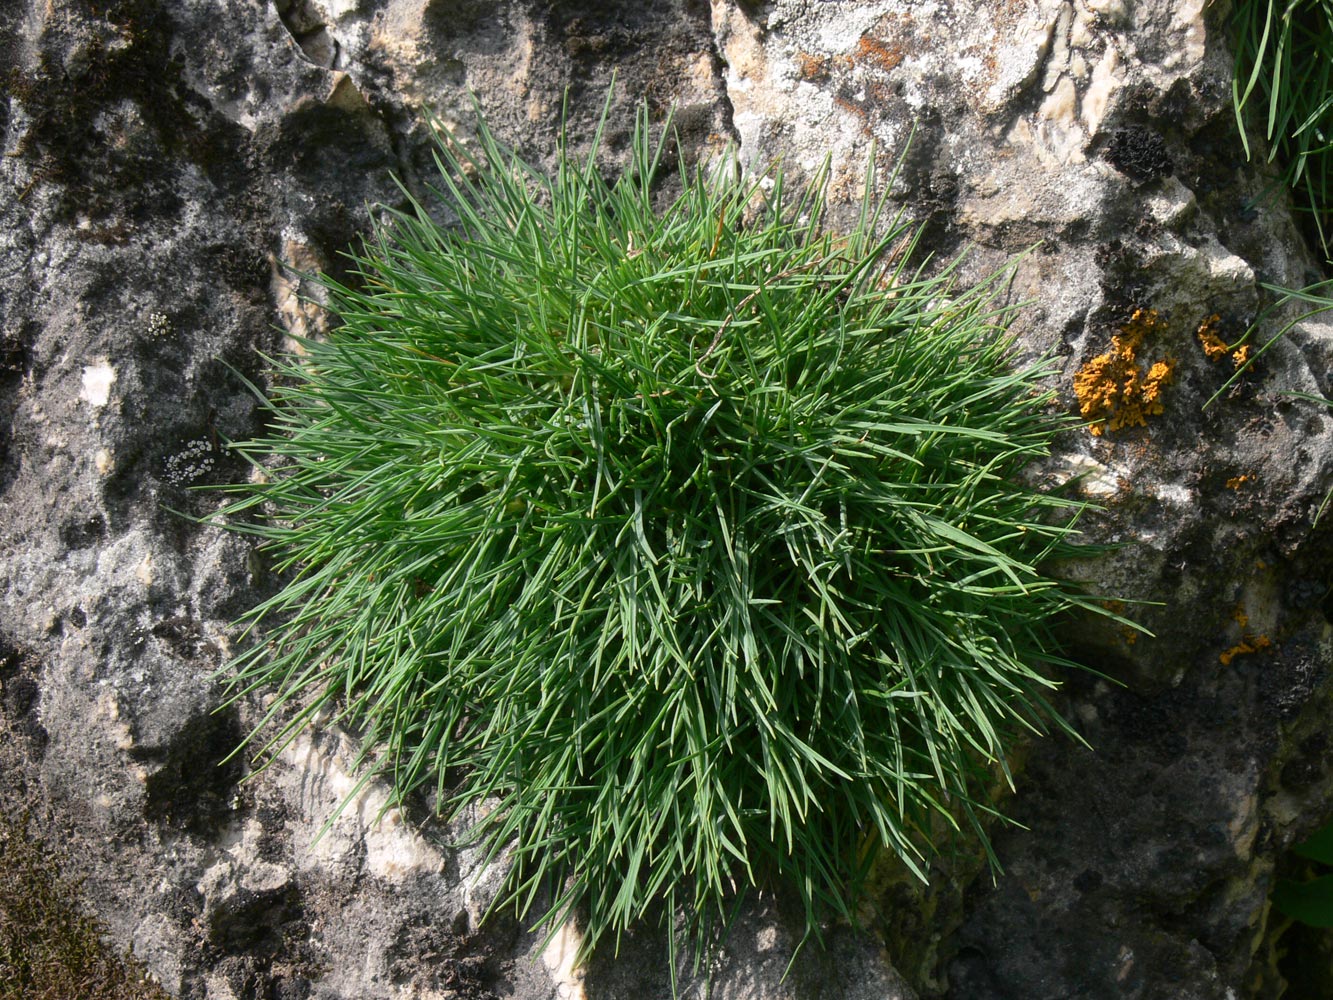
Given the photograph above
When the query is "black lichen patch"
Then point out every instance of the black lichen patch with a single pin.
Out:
(252, 920)
(446, 20)
(186, 638)
(19, 694)
(1123, 282)
(13, 354)
(81, 531)
(1139, 153)
(431, 956)
(14, 361)
(1293, 675)
(1304, 593)
(107, 110)
(1308, 766)
(193, 788)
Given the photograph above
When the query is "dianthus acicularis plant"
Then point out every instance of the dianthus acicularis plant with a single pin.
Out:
(690, 538)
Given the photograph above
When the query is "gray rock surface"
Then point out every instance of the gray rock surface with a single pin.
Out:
(163, 159)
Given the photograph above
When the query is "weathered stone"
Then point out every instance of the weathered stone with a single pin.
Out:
(166, 163)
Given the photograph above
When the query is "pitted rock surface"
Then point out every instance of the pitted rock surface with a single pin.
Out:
(172, 167)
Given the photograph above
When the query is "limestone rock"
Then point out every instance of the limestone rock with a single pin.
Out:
(167, 167)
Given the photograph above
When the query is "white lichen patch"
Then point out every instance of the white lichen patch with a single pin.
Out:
(1175, 494)
(104, 462)
(97, 382)
(193, 462)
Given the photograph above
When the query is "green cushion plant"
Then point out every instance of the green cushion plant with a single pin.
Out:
(690, 536)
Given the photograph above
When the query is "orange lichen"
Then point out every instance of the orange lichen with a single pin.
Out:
(811, 67)
(1213, 345)
(1216, 348)
(1158, 375)
(1248, 644)
(1128, 632)
(873, 50)
(1113, 389)
(848, 106)
(1236, 482)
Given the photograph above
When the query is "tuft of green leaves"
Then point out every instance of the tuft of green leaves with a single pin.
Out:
(1284, 63)
(691, 538)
